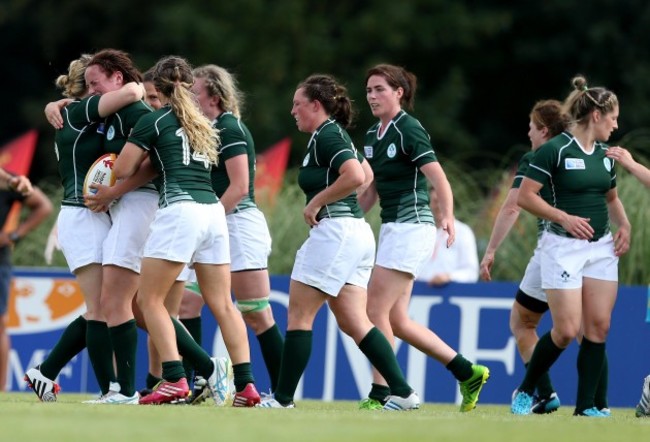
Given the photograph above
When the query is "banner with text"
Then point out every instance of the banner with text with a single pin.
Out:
(471, 318)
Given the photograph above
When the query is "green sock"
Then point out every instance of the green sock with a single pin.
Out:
(603, 384)
(100, 353)
(544, 385)
(152, 381)
(461, 368)
(124, 338)
(243, 375)
(295, 355)
(71, 342)
(271, 343)
(379, 393)
(590, 367)
(380, 354)
(544, 356)
(193, 325)
(172, 371)
(193, 352)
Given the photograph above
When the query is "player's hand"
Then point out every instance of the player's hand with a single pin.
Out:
(310, 212)
(578, 227)
(486, 266)
(101, 199)
(622, 239)
(447, 224)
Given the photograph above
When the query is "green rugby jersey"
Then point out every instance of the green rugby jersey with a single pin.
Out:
(396, 157)
(522, 168)
(119, 125)
(77, 145)
(577, 181)
(329, 147)
(183, 175)
(236, 139)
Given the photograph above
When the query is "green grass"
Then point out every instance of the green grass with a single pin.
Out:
(23, 418)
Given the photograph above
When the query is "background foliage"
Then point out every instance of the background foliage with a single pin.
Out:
(481, 64)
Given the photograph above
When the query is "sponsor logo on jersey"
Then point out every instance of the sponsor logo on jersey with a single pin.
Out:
(367, 151)
(110, 134)
(392, 151)
(608, 164)
(574, 164)
(101, 128)
(305, 161)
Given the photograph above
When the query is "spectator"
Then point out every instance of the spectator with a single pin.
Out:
(457, 263)
(40, 208)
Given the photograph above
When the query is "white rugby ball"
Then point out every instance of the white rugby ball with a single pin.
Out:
(101, 172)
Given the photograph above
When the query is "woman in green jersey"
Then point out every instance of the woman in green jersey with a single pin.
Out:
(579, 254)
(189, 227)
(334, 263)
(546, 121)
(404, 163)
(232, 180)
(81, 232)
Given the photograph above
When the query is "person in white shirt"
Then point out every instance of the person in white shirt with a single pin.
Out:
(458, 263)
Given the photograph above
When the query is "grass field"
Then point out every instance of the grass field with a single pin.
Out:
(24, 418)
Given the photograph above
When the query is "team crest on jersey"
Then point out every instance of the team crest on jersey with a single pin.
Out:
(367, 151)
(574, 164)
(608, 164)
(305, 161)
(111, 133)
(391, 151)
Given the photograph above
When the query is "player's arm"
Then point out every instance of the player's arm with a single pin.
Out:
(624, 157)
(351, 176)
(506, 218)
(128, 161)
(370, 176)
(618, 217)
(530, 200)
(53, 112)
(111, 102)
(438, 179)
(237, 169)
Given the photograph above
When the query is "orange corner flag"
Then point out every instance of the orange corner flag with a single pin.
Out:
(16, 156)
(270, 169)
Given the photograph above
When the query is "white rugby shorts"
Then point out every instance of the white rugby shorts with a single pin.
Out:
(81, 235)
(565, 261)
(250, 240)
(405, 247)
(132, 216)
(189, 232)
(338, 251)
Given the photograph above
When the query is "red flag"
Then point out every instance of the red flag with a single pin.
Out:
(16, 157)
(270, 169)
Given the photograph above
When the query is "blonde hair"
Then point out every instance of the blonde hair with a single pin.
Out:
(221, 83)
(173, 78)
(74, 83)
(583, 100)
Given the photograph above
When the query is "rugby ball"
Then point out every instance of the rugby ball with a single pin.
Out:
(101, 172)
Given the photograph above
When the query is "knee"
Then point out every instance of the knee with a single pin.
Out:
(259, 321)
(563, 335)
(598, 330)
